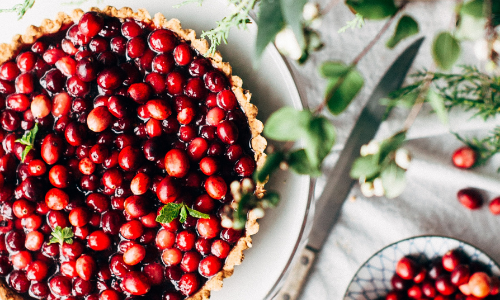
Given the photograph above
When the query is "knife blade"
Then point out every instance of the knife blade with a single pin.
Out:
(339, 183)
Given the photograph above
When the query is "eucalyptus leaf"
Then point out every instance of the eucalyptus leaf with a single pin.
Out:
(299, 163)
(272, 163)
(319, 140)
(334, 69)
(287, 124)
(339, 96)
(373, 9)
(406, 27)
(393, 180)
(365, 166)
(445, 50)
(270, 23)
(292, 14)
(437, 103)
(474, 8)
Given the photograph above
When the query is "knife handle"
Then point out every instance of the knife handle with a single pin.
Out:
(298, 276)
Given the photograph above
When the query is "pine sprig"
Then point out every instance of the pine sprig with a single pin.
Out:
(357, 22)
(238, 19)
(61, 236)
(485, 147)
(20, 9)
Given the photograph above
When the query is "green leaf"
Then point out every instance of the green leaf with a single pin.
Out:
(61, 236)
(197, 214)
(298, 162)
(389, 145)
(437, 103)
(240, 214)
(28, 140)
(287, 124)
(319, 140)
(373, 9)
(270, 23)
(365, 166)
(169, 212)
(474, 8)
(340, 95)
(183, 214)
(272, 163)
(271, 199)
(334, 69)
(406, 27)
(445, 50)
(292, 13)
(393, 180)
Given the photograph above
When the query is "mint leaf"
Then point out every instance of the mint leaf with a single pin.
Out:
(287, 124)
(270, 23)
(319, 140)
(342, 89)
(28, 140)
(299, 163)
(61, 236)
(197, 214)
(183, 214)
(365, 166)
(373, 9)
(169, 212)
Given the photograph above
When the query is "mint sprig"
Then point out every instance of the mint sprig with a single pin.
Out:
(173, 210)
(61, 236)
(28, 140)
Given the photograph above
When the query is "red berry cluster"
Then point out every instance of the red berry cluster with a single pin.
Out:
(450, 277)
(130, 117)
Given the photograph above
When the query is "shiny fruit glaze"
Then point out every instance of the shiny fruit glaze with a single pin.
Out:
(130, 118)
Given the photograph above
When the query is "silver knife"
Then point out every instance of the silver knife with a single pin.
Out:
(339, 183)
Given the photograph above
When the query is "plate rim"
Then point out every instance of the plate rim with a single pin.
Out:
(413, 238)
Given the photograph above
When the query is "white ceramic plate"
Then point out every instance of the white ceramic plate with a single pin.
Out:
(272, 87)
(373, 279)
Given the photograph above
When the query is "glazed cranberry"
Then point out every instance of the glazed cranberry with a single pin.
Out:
(18, 102)
(117, 106)
(77, 87)
(136, 47)
(112, 178)
(167, 190)
(118, 45)
(52, 148)
(82, 287)
(165, 239)
(129, 158)
(185, 240)
(158, 109)
(188, 284)
(226, 100)
(59, 176)
(109, 294)
(68, 269)
(479, 284)
(132, 229)
(110, 78)
(187, 133)
(73, 250)
(118, 267)
(171, 257)
(204, 203)
(86, 267)
(34, 240)
(99, 119)
(67, 66)
(90, 24)
(470, 198)
(407, 268)
(245, 166)
(131, 29)
(79, 216)
(460, 275)
(57, 218)
(140, 184)
(9, 70)
(215, 81)
(444, 285)
(53, 81)
(99, 240)
(208, 132)
(50, 250)
(156, 81)
(51, 56)
(216, 187)
(10, 120)
(215, 116)
(451, 260)
(137, 206)
(21, 259)
(170, 125)
(162, 40)
(98, 153)
(23, 208)
(19, 282)
(234, 152)
(7, 87)
(56, 199)
(68, 47)
(136, 283)
(163, 63)
(197, 149)
(86, 70)
(134, 255)
(86, 166)
(177, 163)
(37, 270)
(209, 266)
(227, 132)
(131, 74)
(139, 92)
(98, 202)
(175, 83)
(25, 83)
(208, 228)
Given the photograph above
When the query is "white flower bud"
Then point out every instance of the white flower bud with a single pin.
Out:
(491, 67)
(226, 223)
(283, 165)
(235, 190)
(367, 189)
(372, 147)
(310, 11)
(287, 44)
(403, 158)
(316, 23)
(378, 187)
(258, 212)
(364, 150)
(481, 49)
(496, 46)
(247, 185)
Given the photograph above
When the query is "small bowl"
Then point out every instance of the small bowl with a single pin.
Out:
(373, 279)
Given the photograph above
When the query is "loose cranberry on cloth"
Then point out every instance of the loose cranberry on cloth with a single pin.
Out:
(106, 120)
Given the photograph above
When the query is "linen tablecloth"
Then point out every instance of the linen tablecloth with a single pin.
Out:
(429, 204)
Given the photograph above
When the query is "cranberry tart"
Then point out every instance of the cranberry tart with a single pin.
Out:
(106, 117)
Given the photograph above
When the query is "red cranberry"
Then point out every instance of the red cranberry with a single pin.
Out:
(470, 198)
(460, 275)
(220, 249)
(118, 45)
(245, 166)
(199, 67)
(131, 29)
(188, 284)
(10, 70)
(134, 255)
(444, 285)
(215, 81)
(132, 230)
(19, 282)
(451, 260)
(34, 240)
(156, 81)
(171, 257)
(110, 78)
(53, 81)
(154, 271)
(60, 285)
(136, 283)
(163, 63)
(208, 228)
(86, 70)
(175, 83)
(129, 158)
(98, 240)
(67, 66)
(90, 24)
(136, 47)
(227, 132)
(177, 163)
(494, 206)
(59, 176)
(99, 119)
(10, 120)
(216, 187)
(37, 270)
(162, 40)
(86, 267)
(407, 268)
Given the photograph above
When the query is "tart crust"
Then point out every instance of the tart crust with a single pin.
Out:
(258, 142)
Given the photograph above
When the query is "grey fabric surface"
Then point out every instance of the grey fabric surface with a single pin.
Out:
(428, 204)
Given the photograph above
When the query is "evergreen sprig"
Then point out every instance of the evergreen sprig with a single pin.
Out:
(20, 9)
